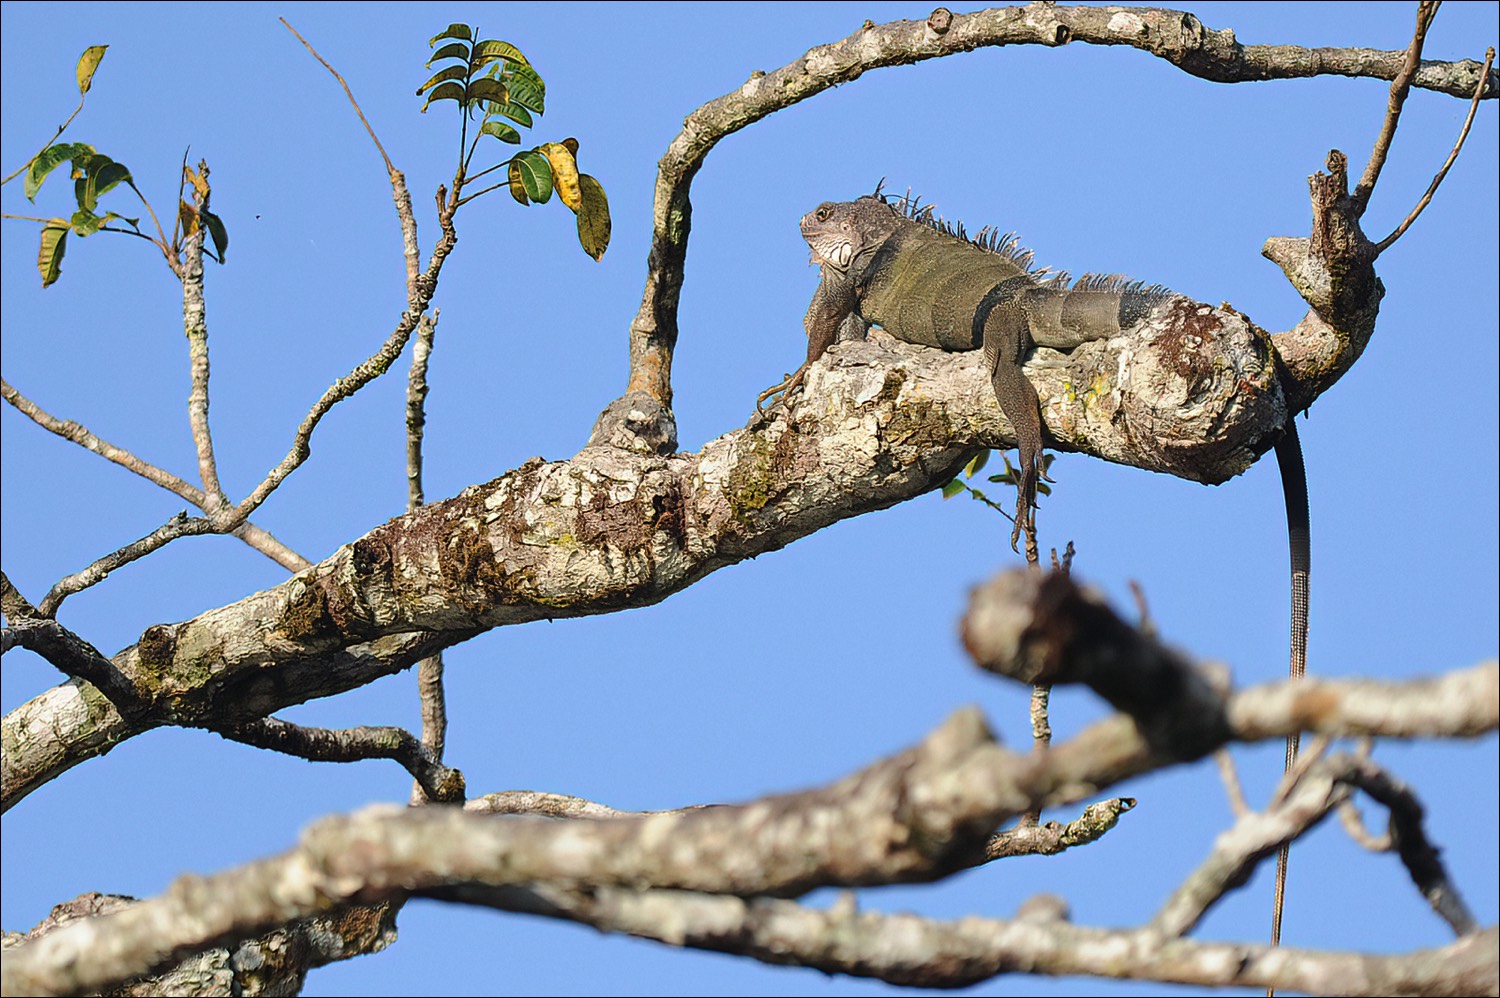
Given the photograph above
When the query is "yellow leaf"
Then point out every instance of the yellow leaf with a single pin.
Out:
(564, 173)
(87, 64)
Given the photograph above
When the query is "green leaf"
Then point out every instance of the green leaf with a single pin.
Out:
(217, 233)
(451, 73)
(489, 50)
(952, 488)
(88, 64)
(453, 50)
(527, 89)
(445, 91)
(501, 131)
(109, 176)
(536, 175)
(454, 31)
(486, 89)
(593, 217)
(975, 466)
(514, 112)
(1043, 489)
(48, 160)
(85, 223)
(49, 257)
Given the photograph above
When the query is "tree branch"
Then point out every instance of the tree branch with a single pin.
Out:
(436, 781)
(252, 535)
(919, 952)
(276, 963)
(914, 816)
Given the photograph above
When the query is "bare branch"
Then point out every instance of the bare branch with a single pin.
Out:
(1386, 243)
(257, 538)
(74, 657)
(411, 252)
(425, 286)
(180, 525)
(276, 963)
(1400, 87)
(437, 782)
(544, 805)
(390, 168)
(914, 951)
(194, 321)
(1416, 851)
(80, 435)
(1354, 824)
(1032, 839)
(1232, 787)
(416, 414)
(74, 722)
(908, 817)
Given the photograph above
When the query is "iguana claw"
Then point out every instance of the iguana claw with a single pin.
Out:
(785, 389)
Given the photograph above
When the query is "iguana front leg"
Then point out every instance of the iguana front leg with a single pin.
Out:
(832, 307)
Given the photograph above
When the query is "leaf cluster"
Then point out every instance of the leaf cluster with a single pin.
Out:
(493, 82)
(94, 175)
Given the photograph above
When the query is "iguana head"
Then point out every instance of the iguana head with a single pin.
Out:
(841, 233)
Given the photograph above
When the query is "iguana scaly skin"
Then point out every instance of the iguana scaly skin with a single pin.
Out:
(926, 282)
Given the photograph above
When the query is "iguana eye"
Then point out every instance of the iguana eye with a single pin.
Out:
(824, 212)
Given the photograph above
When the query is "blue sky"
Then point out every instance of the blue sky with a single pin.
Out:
(800, 666)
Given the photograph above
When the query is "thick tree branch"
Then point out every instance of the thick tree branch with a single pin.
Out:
(74, 722)
(276, 963)
(880, 423)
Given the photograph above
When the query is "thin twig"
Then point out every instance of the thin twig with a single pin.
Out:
(1384, 244)
(371, 368)
(438, 782)
(545, 805)
(1302, 764)
(1232, 786)
(256, 537)
(1354, 824)
(179, 526)
(195, 325)
(168, 250)
(1254, 837)
(1054, 837)
(48, 144)
(410, 249)
(1400, 87)
(429, 670)
(347, 92)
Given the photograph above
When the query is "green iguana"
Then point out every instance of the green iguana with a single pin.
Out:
(926, 282)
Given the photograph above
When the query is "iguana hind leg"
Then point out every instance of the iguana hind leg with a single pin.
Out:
(1002, 321)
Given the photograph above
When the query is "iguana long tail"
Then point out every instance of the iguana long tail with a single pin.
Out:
(1299, 537)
